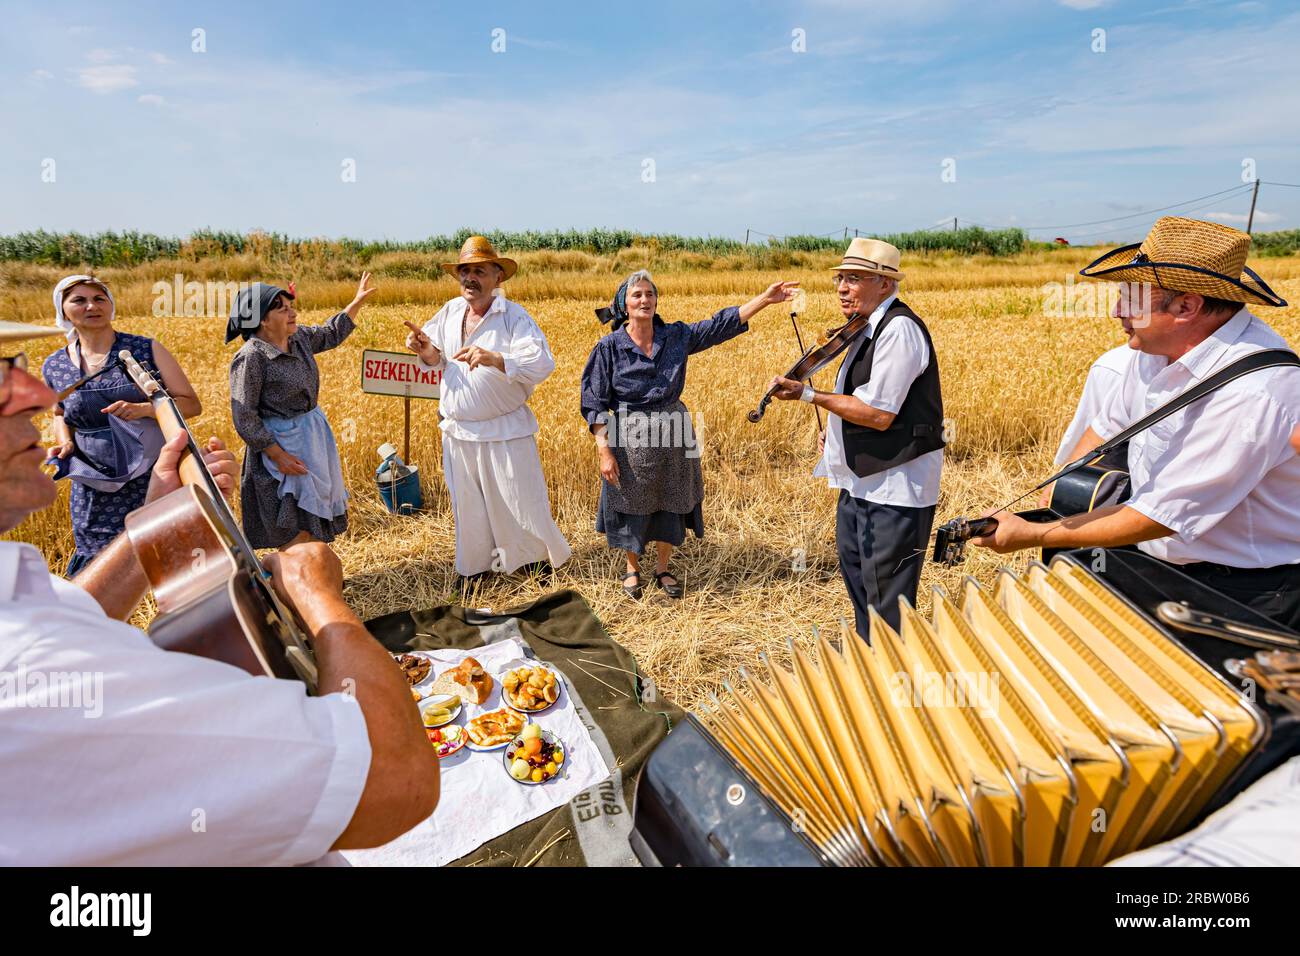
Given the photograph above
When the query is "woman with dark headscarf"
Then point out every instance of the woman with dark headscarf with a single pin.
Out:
(651, 483)
(291, 488)
(106, 438)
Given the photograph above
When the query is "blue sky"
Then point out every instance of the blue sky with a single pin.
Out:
(555, 131)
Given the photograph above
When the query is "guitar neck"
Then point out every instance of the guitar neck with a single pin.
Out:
(192, 469)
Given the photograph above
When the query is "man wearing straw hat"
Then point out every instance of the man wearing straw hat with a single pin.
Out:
(492, 355)
(884, 436)
(117, 752)
(1213, 486)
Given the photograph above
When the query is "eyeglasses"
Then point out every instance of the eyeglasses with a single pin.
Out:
(848, 278)
(18, 362)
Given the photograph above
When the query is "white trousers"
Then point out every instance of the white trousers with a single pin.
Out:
(500, 506)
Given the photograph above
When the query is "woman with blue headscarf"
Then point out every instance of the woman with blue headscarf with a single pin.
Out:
(106, 438)
(652, 487)
(291, 488)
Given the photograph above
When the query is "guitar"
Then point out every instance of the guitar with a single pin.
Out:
(214, 597)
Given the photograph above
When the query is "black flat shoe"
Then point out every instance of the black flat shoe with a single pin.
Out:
(632, 590)
(672, 590)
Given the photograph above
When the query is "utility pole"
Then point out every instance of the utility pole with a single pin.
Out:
(746, 237)
(954, 223)
(1250, 220)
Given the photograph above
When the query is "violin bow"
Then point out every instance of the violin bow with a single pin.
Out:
(794, 320)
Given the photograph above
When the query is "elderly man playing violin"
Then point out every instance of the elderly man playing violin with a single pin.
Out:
(492, 355)
(883, 444)
(117, 752)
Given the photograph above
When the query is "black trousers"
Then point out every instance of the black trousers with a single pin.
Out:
(1273, 592)
(882, 548)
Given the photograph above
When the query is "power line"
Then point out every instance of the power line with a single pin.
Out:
(1269, 182)
(1147, 212)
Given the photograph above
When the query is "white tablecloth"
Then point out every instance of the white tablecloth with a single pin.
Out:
(479, 800)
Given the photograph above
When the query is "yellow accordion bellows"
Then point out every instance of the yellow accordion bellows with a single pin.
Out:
(1045, 723)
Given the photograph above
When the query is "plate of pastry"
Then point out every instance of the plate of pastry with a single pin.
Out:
(529, 687)
(494, 729)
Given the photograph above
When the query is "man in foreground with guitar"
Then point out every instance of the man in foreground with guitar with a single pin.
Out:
(883, 445)
(120, 753)
(1213, 485)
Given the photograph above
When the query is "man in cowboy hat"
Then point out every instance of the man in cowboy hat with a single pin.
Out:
(1213, 485)
(883, 444)
(492, 355)
(90, 706)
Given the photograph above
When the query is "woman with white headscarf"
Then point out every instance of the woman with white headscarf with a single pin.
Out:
(106, 441)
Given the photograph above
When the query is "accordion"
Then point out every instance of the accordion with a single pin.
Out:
(1051, 719)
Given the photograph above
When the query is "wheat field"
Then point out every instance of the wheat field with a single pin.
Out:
(766, 569)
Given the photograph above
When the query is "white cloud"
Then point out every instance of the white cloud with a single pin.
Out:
(151, 99)
(1260, 216)
(1083, 4)
(107, 79)
(101, 56)
(161, 59)
(42, 75)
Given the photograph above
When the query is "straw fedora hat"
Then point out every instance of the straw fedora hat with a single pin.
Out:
(871, 255)
(478, 249)
(17, 331)
(1188, 255)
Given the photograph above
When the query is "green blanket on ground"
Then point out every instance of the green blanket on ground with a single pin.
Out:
(622, 712)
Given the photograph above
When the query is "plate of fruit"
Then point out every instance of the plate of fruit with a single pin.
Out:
(535, 756)
(447, 740)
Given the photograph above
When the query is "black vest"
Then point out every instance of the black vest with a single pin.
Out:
(917, 429)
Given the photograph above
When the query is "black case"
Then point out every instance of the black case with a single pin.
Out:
(695, 806)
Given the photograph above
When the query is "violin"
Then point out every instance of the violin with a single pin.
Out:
(818, 357)
(214, 598)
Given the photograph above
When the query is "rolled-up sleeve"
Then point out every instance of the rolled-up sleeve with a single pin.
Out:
(247, 371)
(528, 361)
(722, 325)
(901, 355)
(328, 335)
(598, 386)
(1211, 463)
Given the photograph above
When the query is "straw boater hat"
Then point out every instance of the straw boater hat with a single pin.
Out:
(1188, 255)
(478, 249)
(17, 331)
(873, 256)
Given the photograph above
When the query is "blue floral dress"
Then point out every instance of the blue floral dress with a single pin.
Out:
(99, 516)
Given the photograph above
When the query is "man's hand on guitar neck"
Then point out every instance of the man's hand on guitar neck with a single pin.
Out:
(115, 578)
(166, 471)
(1110, 527)
(402, 785)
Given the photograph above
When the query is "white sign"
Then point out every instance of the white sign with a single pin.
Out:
(398, 373)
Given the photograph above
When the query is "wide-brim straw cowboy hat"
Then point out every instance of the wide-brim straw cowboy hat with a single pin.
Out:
(17, 331)
(1188, 255)
(873, 256)
(478, 249)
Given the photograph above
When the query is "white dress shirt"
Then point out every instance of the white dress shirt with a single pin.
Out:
(116, 752)
(1221, 473)
(487, 404)
(1103, 378)
(901, 355)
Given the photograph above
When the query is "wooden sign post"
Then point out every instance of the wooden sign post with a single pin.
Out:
(403, 375)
